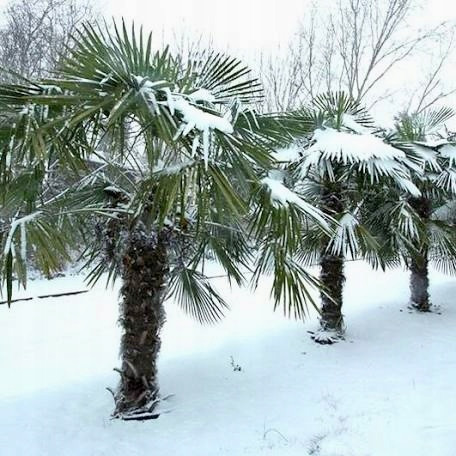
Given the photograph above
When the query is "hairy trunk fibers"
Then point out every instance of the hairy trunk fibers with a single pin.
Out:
(419, 284)
(331, 267)
(332, 278)
(419, 278)
(144, 271)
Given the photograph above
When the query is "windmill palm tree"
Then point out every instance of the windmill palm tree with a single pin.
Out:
(340, 164)
(435, 176)
(167, 160)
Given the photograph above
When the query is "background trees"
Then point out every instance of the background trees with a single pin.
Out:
(35, 33)
(362, 47)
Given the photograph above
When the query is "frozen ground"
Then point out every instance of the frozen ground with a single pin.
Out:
(388, 390)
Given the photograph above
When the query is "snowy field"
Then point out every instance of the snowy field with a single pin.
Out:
(388, 390)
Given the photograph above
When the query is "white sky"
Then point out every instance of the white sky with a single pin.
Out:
(249, 27)
(244, 25)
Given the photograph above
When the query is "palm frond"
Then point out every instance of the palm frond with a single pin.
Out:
(196, 296)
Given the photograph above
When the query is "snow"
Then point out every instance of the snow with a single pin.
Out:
(432, 142)
(199, 119)
(174, 168)
(203, 121)
(51, 88)
(14, 225)
(449, 151)
(428, 156)
(192, 116)
(350, 148)
(408, 186)
(367, 152)
(387, 390)
(282, 196)
(350, 122)
(445, 212)
(202, 95)
(345, 240)
(447, 181)
(288, 154)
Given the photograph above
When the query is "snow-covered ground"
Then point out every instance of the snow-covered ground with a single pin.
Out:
(389, 389)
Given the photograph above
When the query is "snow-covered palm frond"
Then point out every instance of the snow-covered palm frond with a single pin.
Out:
(428, 158)
(345, 241)
(446, 181)
(278, 220)
(17, 237)
(448, 151)
(364, 153)
(424, 132)
(407, 222)
(442, 241)
(281, 196)
(445, 212)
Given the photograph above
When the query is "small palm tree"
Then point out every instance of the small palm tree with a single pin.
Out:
(435, 176)
(340, 163)
(167, 163)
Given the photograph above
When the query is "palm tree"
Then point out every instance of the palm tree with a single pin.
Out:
(435, 176)
(340, 163)
(167, 161)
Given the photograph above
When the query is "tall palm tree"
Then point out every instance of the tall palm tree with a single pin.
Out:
(167, 160)
(340, 163)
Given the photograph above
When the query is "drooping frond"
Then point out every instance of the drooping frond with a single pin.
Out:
(196, 295)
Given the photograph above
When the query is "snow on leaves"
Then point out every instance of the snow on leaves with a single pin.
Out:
(361, 150)
(350, 148)
(18, 223)
(449, 151)
(282, 196)
(192, 117)
(439, 159)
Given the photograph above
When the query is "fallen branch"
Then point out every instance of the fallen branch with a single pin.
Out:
(56, 295)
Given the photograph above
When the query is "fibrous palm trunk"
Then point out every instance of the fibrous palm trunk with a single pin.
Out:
(419, 283)
(419, 274)
(332, 278)
(331, 267)
(144, 273)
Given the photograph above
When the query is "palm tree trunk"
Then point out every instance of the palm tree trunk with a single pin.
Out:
(419, 278)
(332, 278)
(144, 273)
(331, 266)
(419, 283)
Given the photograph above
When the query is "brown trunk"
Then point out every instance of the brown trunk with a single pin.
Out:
(332, 278)
(144, 272)
(419, 284)
(331, 267)
(419, 274)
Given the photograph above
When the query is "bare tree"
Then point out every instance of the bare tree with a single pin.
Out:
(34, 33)
(356, 46)
(433, 85)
